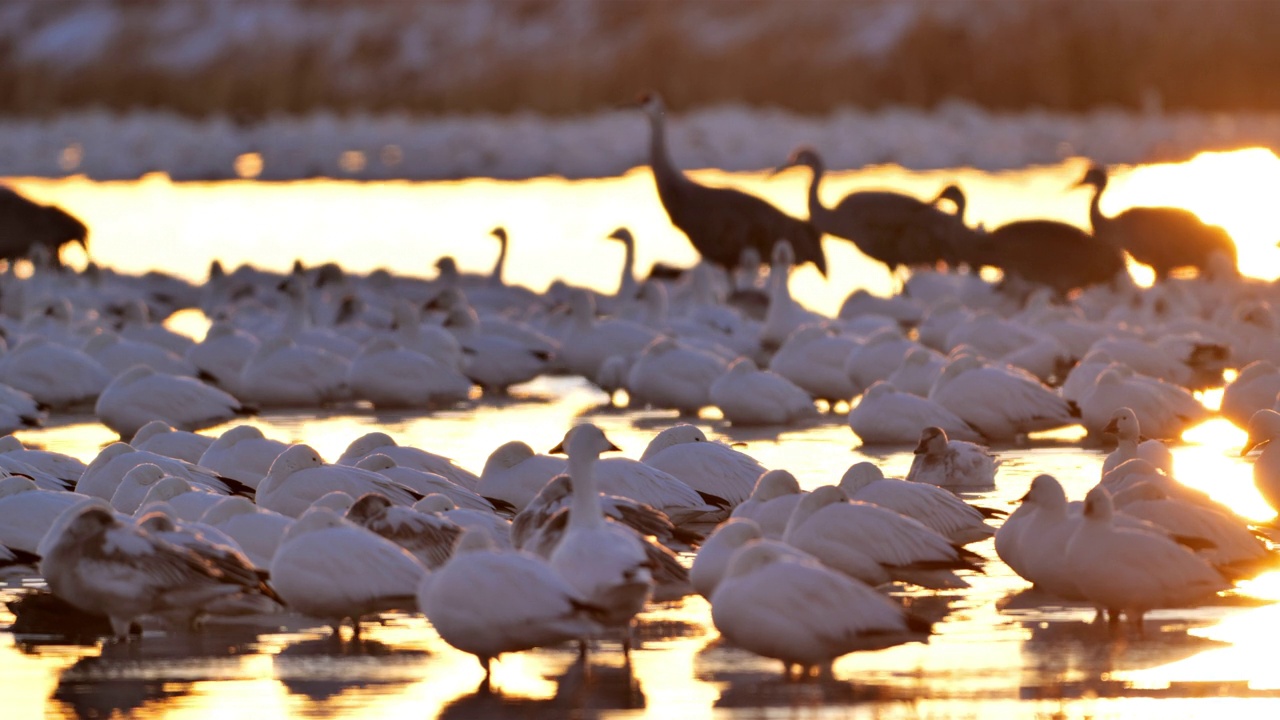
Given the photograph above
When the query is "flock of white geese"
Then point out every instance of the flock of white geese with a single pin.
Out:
(540, 549)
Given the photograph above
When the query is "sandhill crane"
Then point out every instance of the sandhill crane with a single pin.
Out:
(26, 224)
(720, 222)
(1047, 252)
(1165, 238)
(896, 229)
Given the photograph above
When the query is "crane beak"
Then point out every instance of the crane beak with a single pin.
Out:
(780, 168)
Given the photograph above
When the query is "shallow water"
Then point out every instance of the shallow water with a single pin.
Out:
(995, 651)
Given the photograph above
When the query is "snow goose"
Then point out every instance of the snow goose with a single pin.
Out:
(27, 512)
(874, 544)
(494, 362)
(784, 314)
(297, 325)
(1081, 379)
(427, 483)
(712, 560)
(1264, 429)
(487, 602)
(1125, 569)
(886, 416)
(1164, 410)
(331, 569)
(428, 537)
(951, 463)
(651, 486)
(498, 528)
(18, 410)
(627, 284)
(141, 395)
(936, 508)
(747, 395)
(813, 358)
(46, 467)
(242, 453)
(1146, 358)
(1128, 432)
(604, 562)
(281, 373)
(136, 324)
(1233, 548)
(1041, 512)
(221, 356)
(433, 341)
(773, 499)
(514, 473)
(134, 486)
(875, 359)
(161, 438)
(405, 456)
(527, 526)
(106, 567)
(104, 473)
(669, 375)
(684, 451)
(299, 476)
(939, 320)
(990, 335)
(1253, 389)
(802, 613)
(907, 311)
(117, 354)
(590, 342)
(999, 402)
(54, 375)
(258, 532)
(919, 368)
(390, 376)
(188, 500)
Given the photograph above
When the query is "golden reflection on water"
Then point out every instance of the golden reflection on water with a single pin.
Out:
(558, 226)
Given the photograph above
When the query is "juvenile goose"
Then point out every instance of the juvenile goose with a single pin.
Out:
(951, 463)
(428, 537)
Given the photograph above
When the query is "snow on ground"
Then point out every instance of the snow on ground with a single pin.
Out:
(106, 146)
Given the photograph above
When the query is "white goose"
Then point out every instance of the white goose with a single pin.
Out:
(54, 375)
(222, 354)
(1164, 410)
(886, 416)
(141, 395)
(603, 562)
(773, 499)
(933, 506)
(498, 528)
(669, 375)
(258, 532)
(713, 557)
(391, 376)
(1253, 389)
(802, 613)
(18, 410)
(134, 486)
(430, 340)
(105, 472)
(242, 453)
(1124, 425)
(590, 342)
(1264, 430)
(784, 314)
(161, 438)
(405, 456)
(998, 401)
(331, 569)
(883, 352)
(106, 567)
(952, 463)
(747, 395)
(874, 544)
(813, 358)
(117, 354)
(27, 512)
(44, 466)
(711, 467)
(494, 361)
(1125, 569)
(527, 528)
(427, 483)
(190, 501)
(514, 473)
(487, 602)
(299, 476)
(281, 373)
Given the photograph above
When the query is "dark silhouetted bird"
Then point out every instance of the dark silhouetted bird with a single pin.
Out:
(25, 224)
(896, 229)
(720, 222)
(1046, 252)
(1165, 238)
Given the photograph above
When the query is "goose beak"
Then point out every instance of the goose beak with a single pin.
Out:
(557, 450)
(922, 448)
(613, 448)
(1249, 445)
(1111, 428)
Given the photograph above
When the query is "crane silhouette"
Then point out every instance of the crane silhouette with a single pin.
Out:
(1166, 238)
(895, 229)
(720, 222)
(1046, 252)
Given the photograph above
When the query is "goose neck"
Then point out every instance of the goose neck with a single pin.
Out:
(586, 511)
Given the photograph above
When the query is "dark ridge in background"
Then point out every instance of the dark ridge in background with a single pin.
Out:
(253, 58)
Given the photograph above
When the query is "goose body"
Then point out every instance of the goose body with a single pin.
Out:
(886, 416)
(685, 453)
(299, 476)
(747, 395)
(141, 395)
(242, 453)
(772, 501)
(935, 508)
(951, 463)
(405, 456)
(514, 473)
(162, 438)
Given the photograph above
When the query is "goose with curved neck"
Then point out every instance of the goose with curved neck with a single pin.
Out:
(495, 277)
(627, 284)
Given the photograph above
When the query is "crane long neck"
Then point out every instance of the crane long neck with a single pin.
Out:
(627, 285)
(1096, 218)
(586, 500)
(816, 209)
(664, 171)
(495, 277)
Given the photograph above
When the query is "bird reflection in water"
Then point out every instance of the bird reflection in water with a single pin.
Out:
(584, 689)
(323, 668)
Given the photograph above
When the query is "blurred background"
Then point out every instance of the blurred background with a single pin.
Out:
(251, 59)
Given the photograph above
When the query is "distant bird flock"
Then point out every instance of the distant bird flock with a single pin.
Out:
(544, 546)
